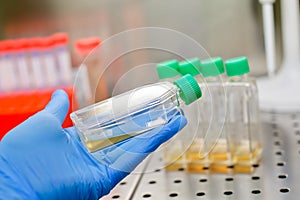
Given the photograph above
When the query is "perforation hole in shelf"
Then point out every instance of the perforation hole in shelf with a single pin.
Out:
(274, 126)
(284, 190)
(255, 177)
(177, 181)
(146, 195)
(282, 176)
(200, 194)
(279, 153)
(229, 179)
(228, 193)
(255, 165)
(277, 143)
(152, 182)
(203, 180)
(255, 191)
(281, 164)
(173, 194)
(275, 134)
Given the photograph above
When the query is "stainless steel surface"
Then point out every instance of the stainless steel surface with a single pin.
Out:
(126, 188)
(277, 177)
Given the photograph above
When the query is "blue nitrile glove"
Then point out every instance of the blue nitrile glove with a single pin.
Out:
(41, 160)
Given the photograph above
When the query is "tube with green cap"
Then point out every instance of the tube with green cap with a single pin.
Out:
(243, 114)
(237, 69)
(212, 67)
(190, 66)
(168, 70)
(212, 116)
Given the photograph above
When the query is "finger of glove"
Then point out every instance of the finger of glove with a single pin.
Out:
(58, 105)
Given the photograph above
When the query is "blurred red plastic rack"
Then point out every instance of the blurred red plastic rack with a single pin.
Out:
(16, 107)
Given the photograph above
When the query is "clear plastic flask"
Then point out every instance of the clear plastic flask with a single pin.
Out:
(213, 115)
(242, 125)
(197, 162)
(133, 113)
(173, 150)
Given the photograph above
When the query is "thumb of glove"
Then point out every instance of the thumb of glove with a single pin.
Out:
(59, 105)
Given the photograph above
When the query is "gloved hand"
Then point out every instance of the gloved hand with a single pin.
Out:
(41, 160)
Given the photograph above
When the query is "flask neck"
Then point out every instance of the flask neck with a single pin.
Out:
(171, 79)
(214, 79)
(240, 78)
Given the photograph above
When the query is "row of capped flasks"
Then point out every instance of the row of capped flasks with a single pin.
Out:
(35, 63)
(225, 137)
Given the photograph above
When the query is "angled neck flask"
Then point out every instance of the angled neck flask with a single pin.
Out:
(242, 125)
(133, 113)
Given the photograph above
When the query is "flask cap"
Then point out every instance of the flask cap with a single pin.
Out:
(190, 66)
(167, 69)
(237, 66)
(212, 67)
(189, 89)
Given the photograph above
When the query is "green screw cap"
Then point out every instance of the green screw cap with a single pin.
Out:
(190, 66)
(212, 67)
(189, 89)
(168, 69)
(237, 66)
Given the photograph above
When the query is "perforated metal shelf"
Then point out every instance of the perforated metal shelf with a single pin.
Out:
(277, 176)
(126, 188)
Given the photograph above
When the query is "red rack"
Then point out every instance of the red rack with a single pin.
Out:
(18, 106)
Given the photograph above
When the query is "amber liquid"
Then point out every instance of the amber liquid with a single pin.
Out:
(243, 154)
(174, 157)
(97, 145)
(245, 159)
(100, 144)
(174, 163)
(220, 152)
(196, 160)
(219, 158)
